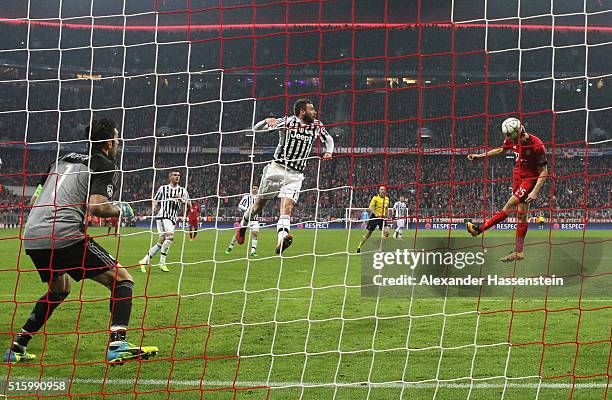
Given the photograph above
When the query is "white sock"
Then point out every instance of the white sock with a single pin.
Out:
(164, 250)
(153, 251)
(253, 245)
(282, 227)
(233, 242)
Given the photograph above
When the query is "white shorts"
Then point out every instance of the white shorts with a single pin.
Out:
(254, 226)
(277, 180)
(401, 223)
(164, 226)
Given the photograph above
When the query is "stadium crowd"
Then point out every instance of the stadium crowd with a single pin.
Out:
(437, 181)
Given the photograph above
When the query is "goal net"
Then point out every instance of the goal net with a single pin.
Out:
(406, 90)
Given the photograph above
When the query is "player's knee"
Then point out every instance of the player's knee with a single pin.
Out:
(60, 285)
(122, 274)
(58, 294)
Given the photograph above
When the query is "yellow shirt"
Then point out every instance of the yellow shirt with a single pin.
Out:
(540, 219)
(379, 205)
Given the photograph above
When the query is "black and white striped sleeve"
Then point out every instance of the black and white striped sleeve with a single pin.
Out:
(159, 195)
(325, 138)
(263, 125)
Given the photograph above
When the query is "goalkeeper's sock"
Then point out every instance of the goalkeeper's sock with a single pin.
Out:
(494, 220)
(21, 342)
(282, 227)
(521, 232)
(121, 309)
(40, 314)
(18, 348)
(253, 245)
(118, 335)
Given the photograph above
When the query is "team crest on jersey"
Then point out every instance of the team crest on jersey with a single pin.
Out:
(109, 191)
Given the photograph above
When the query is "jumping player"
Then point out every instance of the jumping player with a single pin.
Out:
(528, 177)
(283, 176)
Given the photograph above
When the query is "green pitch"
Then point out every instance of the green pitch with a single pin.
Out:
(302, 319)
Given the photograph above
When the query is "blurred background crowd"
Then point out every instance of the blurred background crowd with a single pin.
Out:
(398, 119)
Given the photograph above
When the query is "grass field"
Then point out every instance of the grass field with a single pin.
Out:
(302, 327)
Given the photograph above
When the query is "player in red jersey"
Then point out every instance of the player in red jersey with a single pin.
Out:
(529, 174)
(194, 218)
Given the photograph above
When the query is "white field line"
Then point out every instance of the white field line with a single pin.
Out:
(289, 384)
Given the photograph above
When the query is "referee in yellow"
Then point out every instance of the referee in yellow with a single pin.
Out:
(379, 208)
(540, 219)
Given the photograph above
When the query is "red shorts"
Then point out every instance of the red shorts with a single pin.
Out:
(521, 187)
(193, 222)
(114, 221)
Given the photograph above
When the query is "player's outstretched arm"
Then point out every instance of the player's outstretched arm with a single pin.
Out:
(490, 153)
(102, 207)
(267, 125)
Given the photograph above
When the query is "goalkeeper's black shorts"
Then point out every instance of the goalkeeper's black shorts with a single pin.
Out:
(82, 260)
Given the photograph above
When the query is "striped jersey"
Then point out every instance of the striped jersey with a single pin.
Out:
(399, 209)
(296, 139)
(171, 200)
(247, 201)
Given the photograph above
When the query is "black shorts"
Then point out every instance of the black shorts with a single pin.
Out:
(77, 260)
(374, 223)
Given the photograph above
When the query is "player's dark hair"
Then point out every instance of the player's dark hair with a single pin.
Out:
(299, 105)
(99, 131)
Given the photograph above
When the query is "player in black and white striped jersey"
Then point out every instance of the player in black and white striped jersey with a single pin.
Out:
(400, 212)
(247, 202)
(283, 177)
(171, 199)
